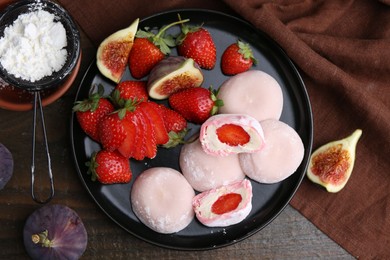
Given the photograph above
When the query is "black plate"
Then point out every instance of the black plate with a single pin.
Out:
(268, 200)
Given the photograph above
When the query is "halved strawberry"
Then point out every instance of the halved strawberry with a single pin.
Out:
(232, 135)
(152, 113)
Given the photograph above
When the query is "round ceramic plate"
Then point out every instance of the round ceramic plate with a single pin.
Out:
(268, 200)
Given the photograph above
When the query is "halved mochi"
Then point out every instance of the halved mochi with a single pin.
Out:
(204, 171)
(226, 134)
(254, 93)
(224, 206)
(161, 198)
(280, 157)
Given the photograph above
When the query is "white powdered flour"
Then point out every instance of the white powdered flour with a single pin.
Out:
(33, 46)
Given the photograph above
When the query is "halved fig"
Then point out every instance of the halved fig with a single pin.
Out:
(113, 52)
(54, 232)
(225, 134)
(224, 206)
(331, 165)
(173, 74)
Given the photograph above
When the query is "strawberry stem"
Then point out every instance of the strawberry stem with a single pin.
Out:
(161, 32)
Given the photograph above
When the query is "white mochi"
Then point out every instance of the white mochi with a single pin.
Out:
(280, 157)
(161, 198)
(204, 171)
(254, 93)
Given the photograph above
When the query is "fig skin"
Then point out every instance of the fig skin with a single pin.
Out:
(114, 51)
(6, 166)
(325, 176)
(64, 229)
(173, 74)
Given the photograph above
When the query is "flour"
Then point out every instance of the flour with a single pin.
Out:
(33, 46)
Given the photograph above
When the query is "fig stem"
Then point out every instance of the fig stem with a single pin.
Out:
(170, 25)
(42, 239)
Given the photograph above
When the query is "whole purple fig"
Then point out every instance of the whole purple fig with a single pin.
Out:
(54, 232)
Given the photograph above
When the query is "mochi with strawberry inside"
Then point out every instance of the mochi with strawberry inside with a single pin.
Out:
(204, 171)
(255, 93)
(225, 134)
(280, 157)
(224, 206)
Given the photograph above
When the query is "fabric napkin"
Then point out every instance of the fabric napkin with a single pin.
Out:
(342, 49)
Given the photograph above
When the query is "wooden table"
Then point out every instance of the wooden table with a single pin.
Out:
(289, 236)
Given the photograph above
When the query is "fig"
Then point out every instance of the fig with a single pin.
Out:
(331, 164)
(173, 74)
(6, 166)
(113, 52)
(54, 231)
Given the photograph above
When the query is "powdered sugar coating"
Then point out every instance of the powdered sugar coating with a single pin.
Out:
(204, 171)
(254, 93)
(280, 157)
(161, 198)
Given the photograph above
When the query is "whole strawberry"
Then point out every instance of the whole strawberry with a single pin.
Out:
(196, 104)
(238, 57)
(196, 42)
(109, 167)
(90, 111)
(175, 125)
(149, 49)
(131, 89)
(111, 131)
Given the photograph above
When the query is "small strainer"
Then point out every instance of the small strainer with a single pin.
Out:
(7, 17)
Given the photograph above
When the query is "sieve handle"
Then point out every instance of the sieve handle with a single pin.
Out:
(38, 103)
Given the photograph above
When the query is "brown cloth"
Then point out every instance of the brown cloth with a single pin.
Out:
(342, 49)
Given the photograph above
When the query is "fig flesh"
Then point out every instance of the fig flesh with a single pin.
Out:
(6, 166)
(173, 74)
(331, 165)
(113, 52)
(54, 232)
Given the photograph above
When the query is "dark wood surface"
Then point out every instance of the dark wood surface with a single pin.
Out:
(289, 236)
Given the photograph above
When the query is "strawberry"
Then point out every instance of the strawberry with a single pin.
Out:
(109, 167)
(196, 42)
(111, 131)
(152, 112)
(90, 111)
(195, 104)
(131, 89)
(173, 121)
(238, 57)
(149, 49)
(149, 133)
(127, 147)
(139, 151)
(176, 126)
(232, 135)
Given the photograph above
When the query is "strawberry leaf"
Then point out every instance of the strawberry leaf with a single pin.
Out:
(246, 51)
